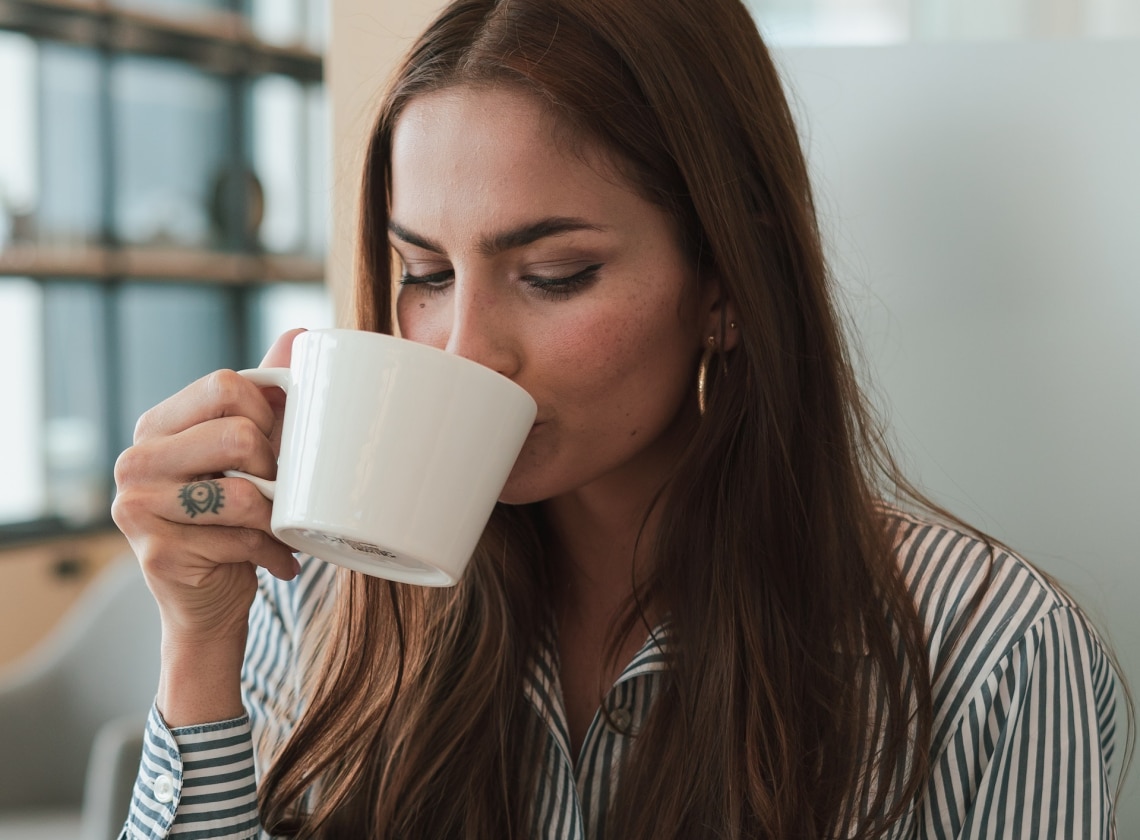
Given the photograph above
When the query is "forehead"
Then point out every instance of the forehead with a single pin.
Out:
(498, 144)
(510, 107)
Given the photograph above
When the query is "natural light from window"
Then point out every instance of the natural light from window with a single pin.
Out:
(22, 490)
(17, 141)
(838, 22)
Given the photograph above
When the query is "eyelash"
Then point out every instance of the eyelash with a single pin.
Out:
(551, 288)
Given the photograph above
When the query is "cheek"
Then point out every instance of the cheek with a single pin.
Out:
(422, 320)
(587, 349)
(624, 364)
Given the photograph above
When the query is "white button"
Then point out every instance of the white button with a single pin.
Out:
(621, 719)
(163, 788)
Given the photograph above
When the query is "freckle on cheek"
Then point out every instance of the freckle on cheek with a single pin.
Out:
(423, 306)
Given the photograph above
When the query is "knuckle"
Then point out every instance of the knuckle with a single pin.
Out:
(251, 540)
(241, 436)
(128, 465)
(145, 425)
(226, 389)
(129, 508)
(122, 510)
(155, 560)
(239, 498)
(124, 467)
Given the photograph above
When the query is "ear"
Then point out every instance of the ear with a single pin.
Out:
(718, 316)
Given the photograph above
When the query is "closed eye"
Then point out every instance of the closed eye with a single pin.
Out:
(435, 282)
(548, 287)
(563, 287)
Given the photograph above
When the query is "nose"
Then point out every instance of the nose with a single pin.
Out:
(481, 329)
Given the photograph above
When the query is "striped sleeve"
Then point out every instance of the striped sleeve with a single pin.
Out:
(201, 781)
(203, 775)
(1030, 754)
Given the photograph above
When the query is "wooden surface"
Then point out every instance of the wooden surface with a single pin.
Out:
(40, 582)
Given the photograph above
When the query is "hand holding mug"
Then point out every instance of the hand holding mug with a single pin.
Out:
(393, 453)
(196, 535)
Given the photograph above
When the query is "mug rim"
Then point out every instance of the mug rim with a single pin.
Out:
(407, 345)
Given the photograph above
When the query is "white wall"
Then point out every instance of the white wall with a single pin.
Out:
(982, 208)
(366, 39)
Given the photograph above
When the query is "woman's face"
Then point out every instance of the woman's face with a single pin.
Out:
(545, 266)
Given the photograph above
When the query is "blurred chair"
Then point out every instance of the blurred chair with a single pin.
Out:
(72, 714)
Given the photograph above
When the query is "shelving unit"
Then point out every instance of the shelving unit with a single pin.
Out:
(218, 41)
(147, 250)
(187, 264)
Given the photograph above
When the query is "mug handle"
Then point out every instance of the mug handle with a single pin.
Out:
(263, 378)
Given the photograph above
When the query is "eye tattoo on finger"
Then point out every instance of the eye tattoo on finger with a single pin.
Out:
(201, 497)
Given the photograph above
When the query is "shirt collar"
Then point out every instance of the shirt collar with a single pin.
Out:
(542, 688)
(653, 657)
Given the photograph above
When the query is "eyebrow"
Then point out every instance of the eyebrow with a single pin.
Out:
(505, 240)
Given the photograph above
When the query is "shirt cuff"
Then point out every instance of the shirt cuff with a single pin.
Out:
(196, 778)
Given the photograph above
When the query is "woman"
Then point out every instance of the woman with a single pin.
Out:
(692, 614)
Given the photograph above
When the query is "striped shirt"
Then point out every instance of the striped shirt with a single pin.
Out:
(1024, 713)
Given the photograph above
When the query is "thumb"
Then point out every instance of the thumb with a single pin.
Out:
(279, 355)
(281, 351)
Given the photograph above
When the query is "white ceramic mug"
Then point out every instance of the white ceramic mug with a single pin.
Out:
(393, 453)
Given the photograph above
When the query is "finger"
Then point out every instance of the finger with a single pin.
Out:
(209, 448)
(223, 393)
(215, 501)
(231, 502)
(227, 545)
(280, 352)
(192, 552)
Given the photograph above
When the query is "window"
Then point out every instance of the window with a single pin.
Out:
(163, 213)
(22, 492)
(804, 22)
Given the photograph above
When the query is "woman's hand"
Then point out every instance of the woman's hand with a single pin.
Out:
(197, 534)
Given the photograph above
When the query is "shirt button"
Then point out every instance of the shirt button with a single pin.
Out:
(163, 788)
(621, 721)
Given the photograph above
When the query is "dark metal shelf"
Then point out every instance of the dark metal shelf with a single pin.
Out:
(220, 43)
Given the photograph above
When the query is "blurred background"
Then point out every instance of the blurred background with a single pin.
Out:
(177, 187)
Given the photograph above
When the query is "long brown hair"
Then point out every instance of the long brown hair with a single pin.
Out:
(771, 561)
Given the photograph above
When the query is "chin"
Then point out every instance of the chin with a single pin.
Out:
(530, 477)
(520, 496)
(523, 489)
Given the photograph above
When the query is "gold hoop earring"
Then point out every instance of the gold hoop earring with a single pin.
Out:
(703, 374)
